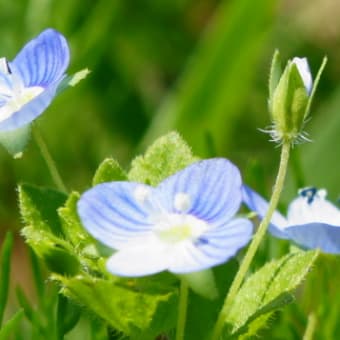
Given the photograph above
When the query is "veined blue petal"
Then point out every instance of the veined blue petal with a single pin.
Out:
(316, 235)
(43, 60)
(112, 214)
(258, 204)
(213, 188)
(28, 112)
(213, 248)
(145, 256)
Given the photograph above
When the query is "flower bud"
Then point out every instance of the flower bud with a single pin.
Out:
(290, 95)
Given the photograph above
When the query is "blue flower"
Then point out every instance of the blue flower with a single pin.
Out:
(183, 225)
(312, 221)
(29, 82)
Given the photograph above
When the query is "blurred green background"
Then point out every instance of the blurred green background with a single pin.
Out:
(200, 67)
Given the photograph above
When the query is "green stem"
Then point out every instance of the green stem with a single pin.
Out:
(49, 160)
(255, 242)
(182, 310)
(310, 329)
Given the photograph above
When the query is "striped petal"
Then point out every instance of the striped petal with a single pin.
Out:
(31, 110)
(213, 248)
(112, 214)
(213, 189)
(316, 235)
(258, 204)
(43, 60)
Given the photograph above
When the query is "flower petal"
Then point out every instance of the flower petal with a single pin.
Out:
(213, 248)
(213, 187)
(306, 76)
(43, 60)
(316, 235)
(318, 210)
(111, 213)
(258, 204)
(31, 110)
(145, 257)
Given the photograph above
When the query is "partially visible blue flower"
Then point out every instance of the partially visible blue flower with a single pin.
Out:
(29, 82)
(183, 225)
(312, 221)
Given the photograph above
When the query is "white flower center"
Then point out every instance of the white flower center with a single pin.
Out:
(312, 207)
(174, 228)
(13, 94)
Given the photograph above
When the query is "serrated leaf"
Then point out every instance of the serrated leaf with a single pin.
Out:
(56, 252)
(267, 290)
(109, 170)
(38, 207)
(137, 314)
(70, 223)
(163, 158)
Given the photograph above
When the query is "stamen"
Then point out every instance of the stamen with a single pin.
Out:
(141, 193)
(308, 193)
(182, 202)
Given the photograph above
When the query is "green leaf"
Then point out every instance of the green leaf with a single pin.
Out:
(140, 315)
(109, 170)
(56, 252)
(5, 266)
(68, 315)
(71, 225)
(38, 207)
(275, 74)
(163, 158)
(15, 141)
(267, 290)
(11, 325)
(212, 92)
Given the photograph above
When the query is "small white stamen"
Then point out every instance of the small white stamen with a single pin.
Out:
(141, 193)
(182, 202)
(322, 193)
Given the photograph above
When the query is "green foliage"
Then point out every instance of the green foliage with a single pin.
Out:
(11, 325)
(140, 315)
(109, 170)
(163, 158)
(5, 265)
(71, 225)
(267, 290)
(211, 92)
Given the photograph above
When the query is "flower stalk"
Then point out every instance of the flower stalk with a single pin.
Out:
(239, 278)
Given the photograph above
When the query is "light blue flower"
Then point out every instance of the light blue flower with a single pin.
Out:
(312, 221)
(29, 82)
(183, 225)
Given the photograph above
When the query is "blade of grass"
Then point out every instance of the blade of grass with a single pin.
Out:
(5, 267)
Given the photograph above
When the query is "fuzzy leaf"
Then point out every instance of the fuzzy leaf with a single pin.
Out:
(38, 207)
(71, 224)
(267, 290)
(163, 158)
(139, 315)
(109, 170)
